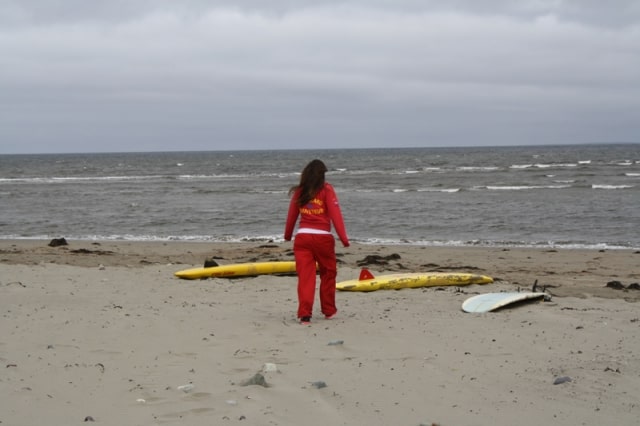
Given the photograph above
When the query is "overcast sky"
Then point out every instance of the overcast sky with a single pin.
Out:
(156, 75)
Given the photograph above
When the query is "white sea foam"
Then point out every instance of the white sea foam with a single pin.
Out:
(478, 168)
(595, 186)
(525, 187)
(130, 178)
(75, 179)
(556, 165)
(446, 190)
(495, 244)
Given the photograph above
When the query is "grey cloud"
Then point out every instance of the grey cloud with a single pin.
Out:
(220, 75)
(590, 12)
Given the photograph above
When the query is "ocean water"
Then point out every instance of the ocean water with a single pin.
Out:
(585, 196)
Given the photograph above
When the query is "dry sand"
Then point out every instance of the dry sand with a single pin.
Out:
(105, 332)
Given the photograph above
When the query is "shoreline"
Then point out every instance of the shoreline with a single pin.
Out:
(566, 272)
(372, 242)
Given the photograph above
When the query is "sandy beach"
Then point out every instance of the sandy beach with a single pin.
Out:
(104, 332)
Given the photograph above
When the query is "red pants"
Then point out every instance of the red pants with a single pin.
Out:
(309, 249)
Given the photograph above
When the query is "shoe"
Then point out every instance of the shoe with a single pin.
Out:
(330, 316)
(305, 320)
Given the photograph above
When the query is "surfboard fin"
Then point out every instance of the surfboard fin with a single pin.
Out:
(365, 274)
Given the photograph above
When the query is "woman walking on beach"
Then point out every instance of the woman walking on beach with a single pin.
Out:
(316, 203)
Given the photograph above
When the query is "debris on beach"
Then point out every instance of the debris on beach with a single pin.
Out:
(57, 242)
(15, 283)
(319, 384)
(375, 259)
(211, 262)
(617, 285)
(257, 379)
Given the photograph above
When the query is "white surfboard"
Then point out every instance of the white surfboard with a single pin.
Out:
(491, 301)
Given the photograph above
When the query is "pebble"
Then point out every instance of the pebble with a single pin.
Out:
(560, 380)
(257, 379)
(186, 388)
(336, 342)
(269, 368)
(319, 384)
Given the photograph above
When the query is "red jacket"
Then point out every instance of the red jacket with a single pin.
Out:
(319, 213)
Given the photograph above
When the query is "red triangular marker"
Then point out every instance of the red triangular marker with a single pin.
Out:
(365, 275)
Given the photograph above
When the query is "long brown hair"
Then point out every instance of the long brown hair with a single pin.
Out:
(311, 181)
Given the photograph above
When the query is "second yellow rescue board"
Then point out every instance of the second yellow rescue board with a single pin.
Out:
(367, 282)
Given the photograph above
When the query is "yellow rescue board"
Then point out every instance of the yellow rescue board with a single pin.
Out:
(367, 282)
(238, 270)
